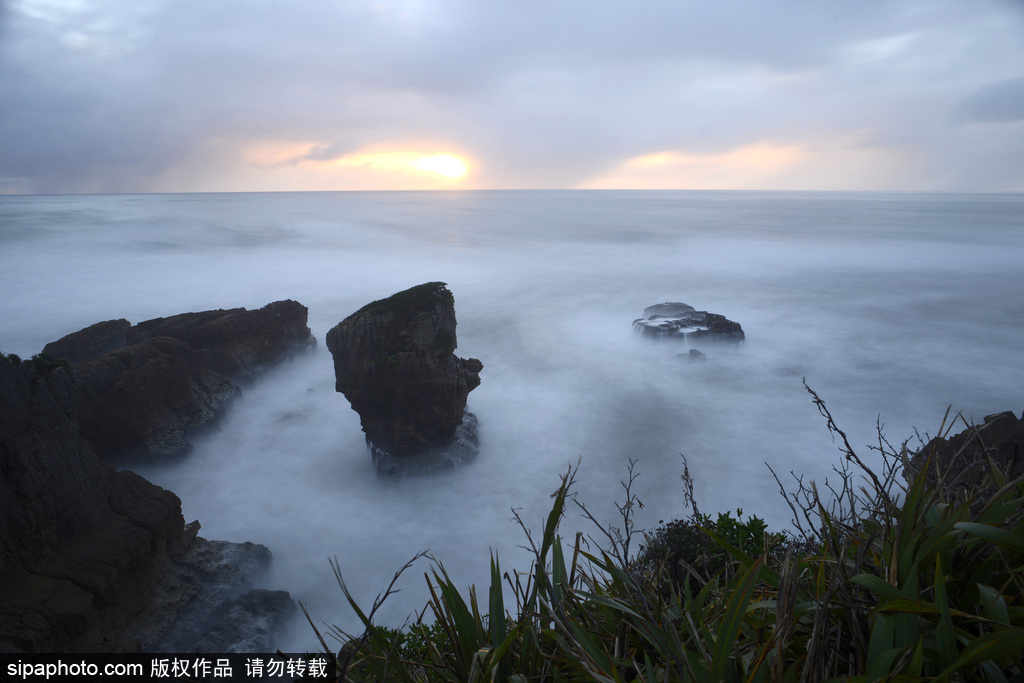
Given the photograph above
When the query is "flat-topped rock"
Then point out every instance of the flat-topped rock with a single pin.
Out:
(240, 343)
(675, 320)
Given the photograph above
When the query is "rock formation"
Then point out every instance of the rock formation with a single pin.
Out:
(394, 361)
(144, 398)
(674, 320)
(963, 460)
(240, 343)
(92, 341)
(92, 559)
(143, 388)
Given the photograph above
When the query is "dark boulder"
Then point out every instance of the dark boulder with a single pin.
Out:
(90, 557)
(674, 320)
(143, 399)
(961, 462)
(92, 341)
(394, 361)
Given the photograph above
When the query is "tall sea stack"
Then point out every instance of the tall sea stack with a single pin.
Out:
(394, 361)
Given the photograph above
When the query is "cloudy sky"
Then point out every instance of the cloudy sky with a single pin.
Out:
(261, 95)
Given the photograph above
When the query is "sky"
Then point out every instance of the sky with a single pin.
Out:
(108, 96)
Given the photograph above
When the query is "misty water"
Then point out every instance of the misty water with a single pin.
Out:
(892, 306)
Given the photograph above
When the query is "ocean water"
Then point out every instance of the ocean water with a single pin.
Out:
(892, 306)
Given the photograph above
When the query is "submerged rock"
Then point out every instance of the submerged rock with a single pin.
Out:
(142, 389)
(92, 559)
(693, 356)
(394, 361)
(674, 320)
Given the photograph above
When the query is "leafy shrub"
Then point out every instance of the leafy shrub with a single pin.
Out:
(687, 547)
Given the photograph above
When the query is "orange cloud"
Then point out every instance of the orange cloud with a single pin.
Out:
(741, 168)
(841, 164)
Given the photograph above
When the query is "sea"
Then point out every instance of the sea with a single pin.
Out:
(893, 307)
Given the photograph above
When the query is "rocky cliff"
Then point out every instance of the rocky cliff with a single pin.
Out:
(144, 398)
(92, 341)
(240, 343)
(92, 559)
(394, 360)
(961, 462)
(142, 389)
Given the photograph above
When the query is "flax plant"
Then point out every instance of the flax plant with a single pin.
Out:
(880, 580)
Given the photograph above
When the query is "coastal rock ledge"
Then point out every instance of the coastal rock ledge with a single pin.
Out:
(143, 389)
(97, 560)
(394, 360)
(674, 320)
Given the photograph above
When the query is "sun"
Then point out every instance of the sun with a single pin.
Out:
(442, 164)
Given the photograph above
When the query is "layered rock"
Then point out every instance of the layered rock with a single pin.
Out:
(144, 399)
(240, 343)
(144, 388)
(91, 559)
(674, 320)
(92, 341)
(394, 361)
(961, 462)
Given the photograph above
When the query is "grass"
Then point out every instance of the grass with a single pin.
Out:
(881, 580)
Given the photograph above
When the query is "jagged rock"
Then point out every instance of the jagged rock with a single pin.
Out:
(142, 389)
(674, 320)
(145, 398)
(92, 559)
(394, 361)
(962, 460)
(240, 343)
(92, 341)
(247, 624)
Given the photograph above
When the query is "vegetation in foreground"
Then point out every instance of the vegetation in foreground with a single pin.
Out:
(880, 581)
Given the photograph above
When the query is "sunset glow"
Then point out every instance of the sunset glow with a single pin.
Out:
(443, 164)
(304, 165)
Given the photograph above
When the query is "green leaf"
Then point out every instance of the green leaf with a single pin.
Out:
(997, 535)
(732, 621)
(880, 587)
(993, 604)
(944, 634)
(497, 620)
